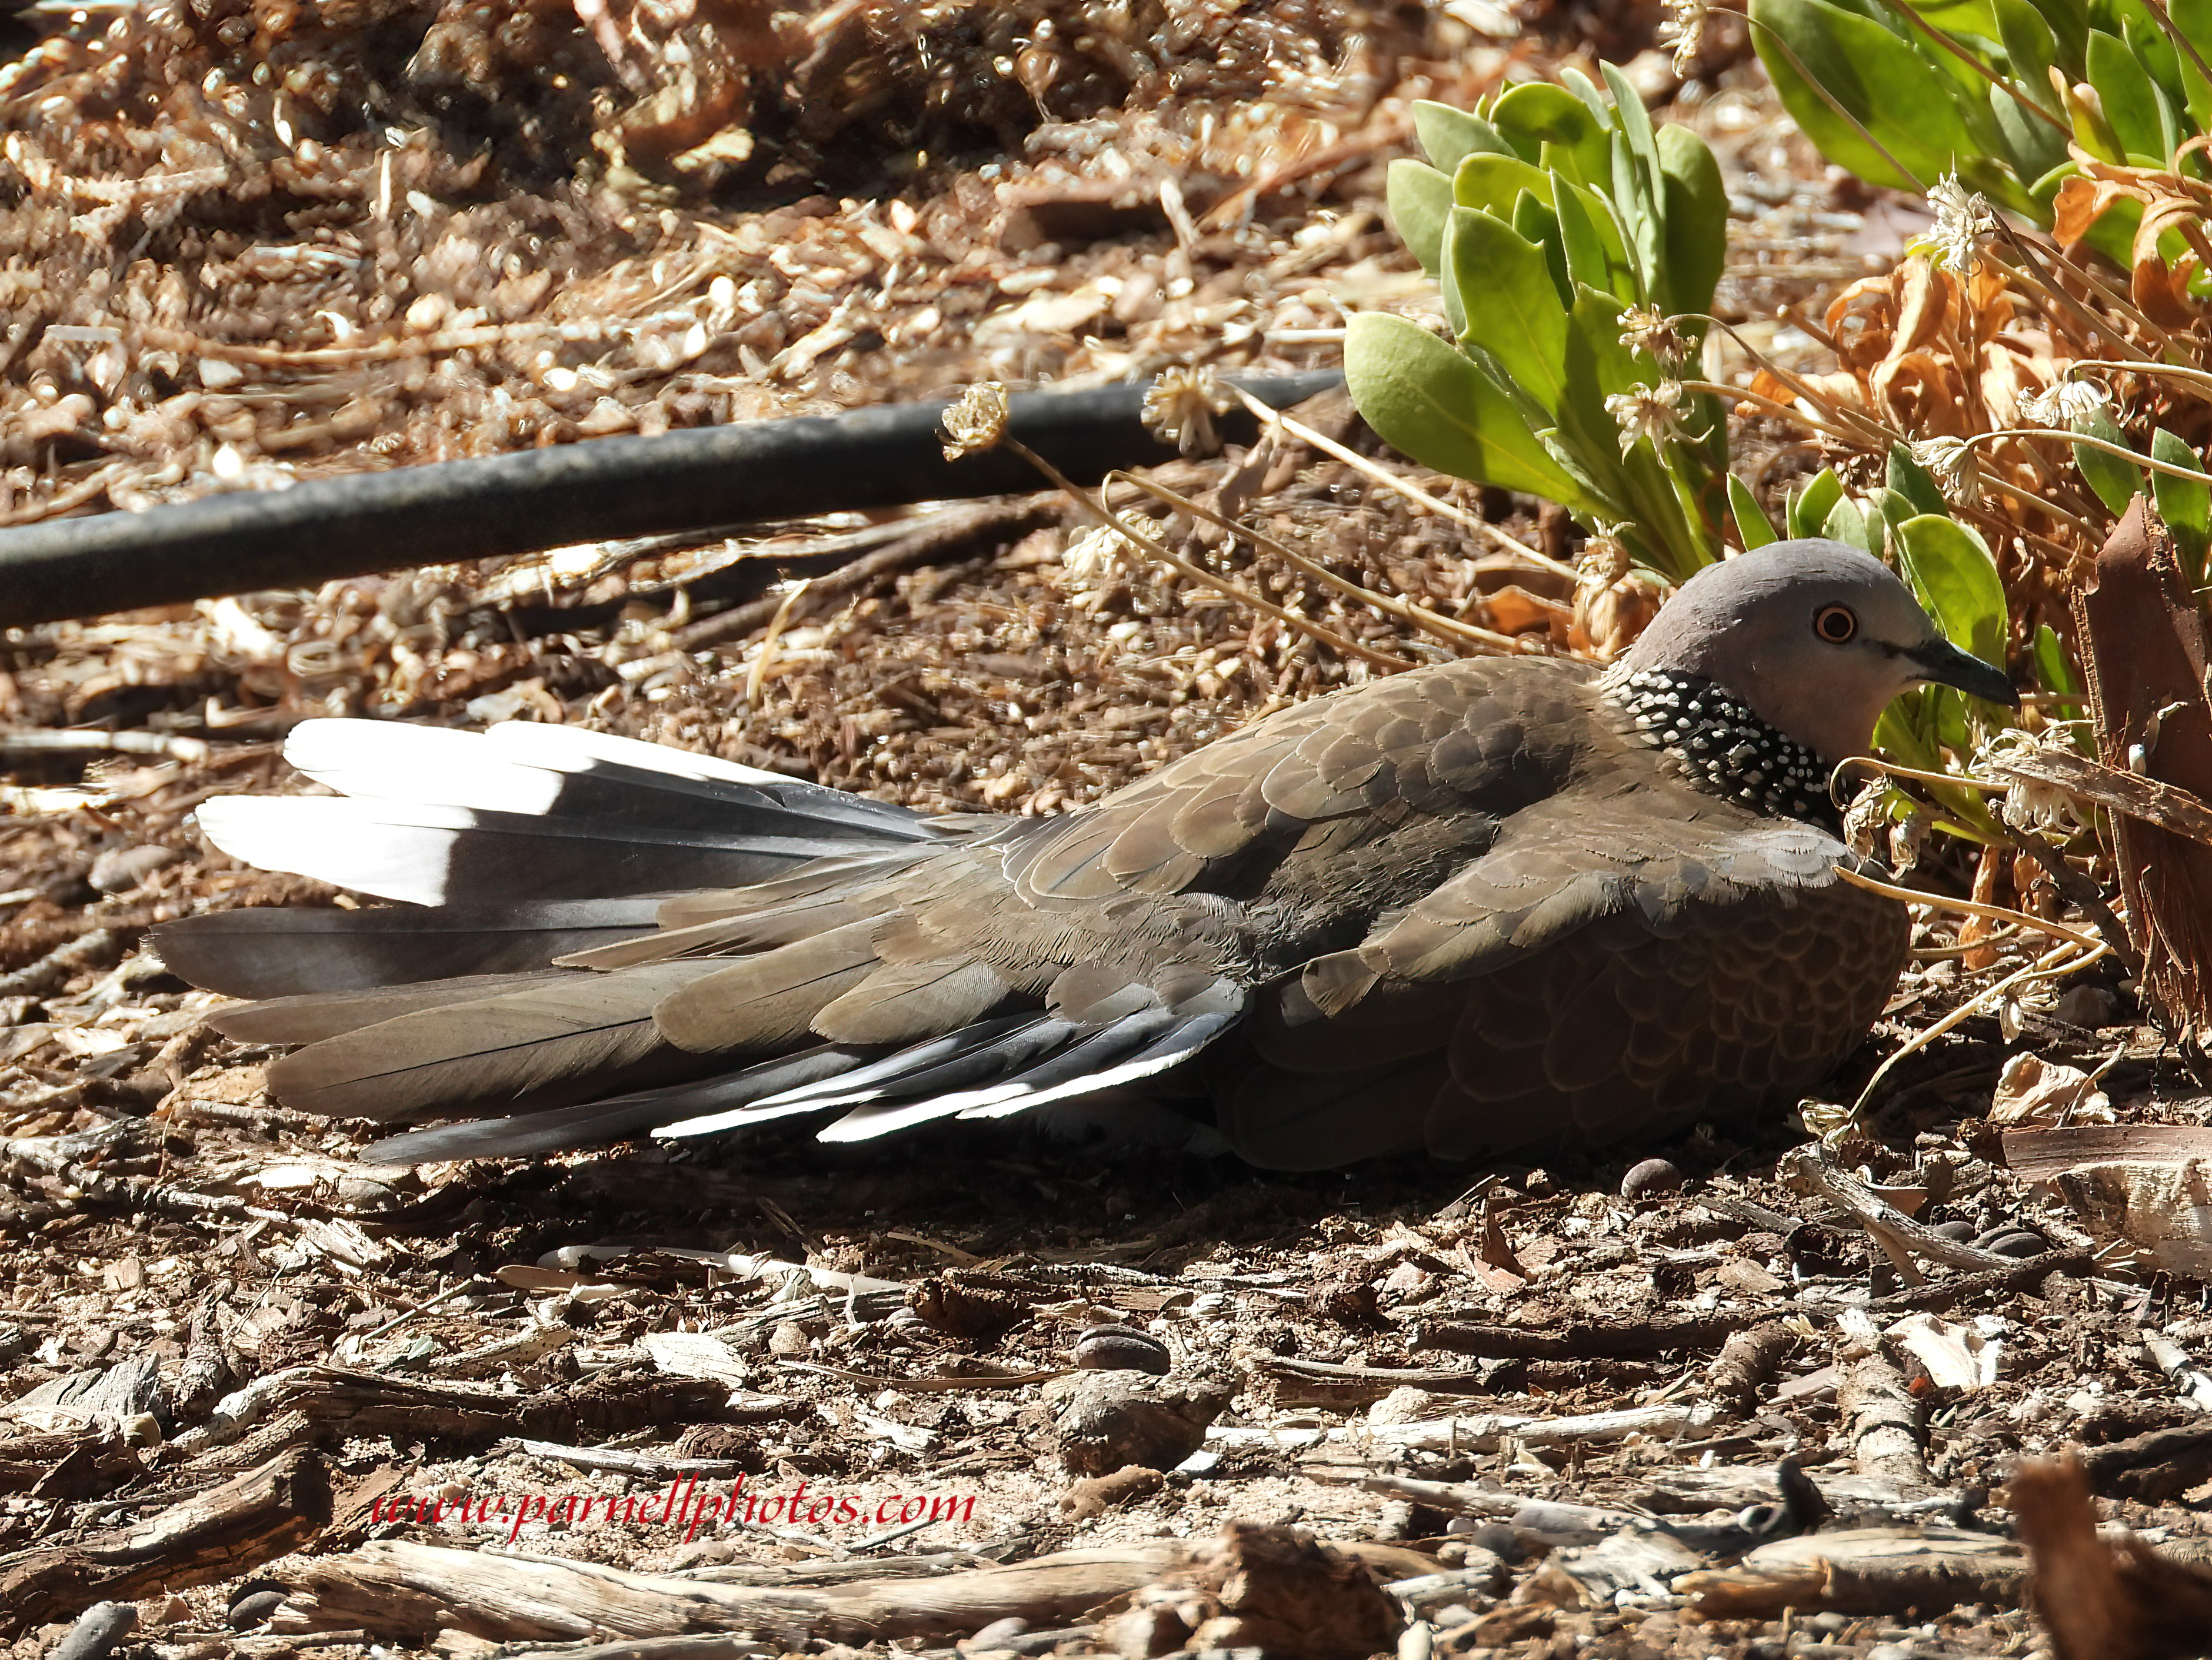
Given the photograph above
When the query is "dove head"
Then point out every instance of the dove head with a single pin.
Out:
(1815, 636)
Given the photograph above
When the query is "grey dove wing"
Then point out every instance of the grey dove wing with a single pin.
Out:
(1614, 965)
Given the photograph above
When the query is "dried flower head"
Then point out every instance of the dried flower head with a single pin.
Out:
(1653, 412)
(1907, 837)
(1614, 602)
(1684, 29)
(1604, 559)
(2064, 403)
(1181, 405)
(1867, 817)
(978, 421)
(1952, 463)
(1649, 330)
(1963, 222)
(2030, 804)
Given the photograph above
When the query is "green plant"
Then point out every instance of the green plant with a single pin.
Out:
(1576, 248)
(2012, 96)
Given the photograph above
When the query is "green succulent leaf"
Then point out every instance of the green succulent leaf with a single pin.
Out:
(1495, 182)
(1510, 306)
(2185, 504)
(2130, 100)
(1538, 113)
(2193, 18)
(2031, 149)
(2069, 26)
(1635, 125)
(2053, 673)
(1809, 510)
(1448, 136)
(1955, 577)
(1431, 402)
(2152, 49)
(1752, 527)
(2032, 48)
(1695, 237)
(2117, 483)
(1912, 481)
(1884, 89)
(1597, 254)
(1846, 523)
(1420, 200)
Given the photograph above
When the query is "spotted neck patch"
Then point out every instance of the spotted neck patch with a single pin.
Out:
(1720, 746)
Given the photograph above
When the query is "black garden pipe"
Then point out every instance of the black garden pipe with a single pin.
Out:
(698, 479)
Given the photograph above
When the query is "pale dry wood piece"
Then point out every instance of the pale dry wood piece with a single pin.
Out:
(400, 1589)
(2100, 1598)
(1482, 1431)
(1883, 1423)
(820, 1574)
(1465, 1498)
(216, 1535)
(1747, 1365)
(658, 1648)
(2146, 1185)
(334, 1402)
(526, 1348)
(646, 1466)
(1862, 1571)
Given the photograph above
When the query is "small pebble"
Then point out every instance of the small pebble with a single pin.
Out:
(1955, 1229)
(1651, 1178)
(998, 1633)
(1122, 1349)
(254, 1608)
(2014, 1242)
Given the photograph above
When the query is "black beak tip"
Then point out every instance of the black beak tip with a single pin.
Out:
(1947, 665)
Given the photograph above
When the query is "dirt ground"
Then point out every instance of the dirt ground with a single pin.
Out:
(245, 246)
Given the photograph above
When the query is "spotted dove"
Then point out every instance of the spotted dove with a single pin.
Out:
(1484, 905)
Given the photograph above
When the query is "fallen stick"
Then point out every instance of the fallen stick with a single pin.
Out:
(1883, 1423)
(1482, 1431)
(401, 1590)
(337, 1402)
(1862, 1571)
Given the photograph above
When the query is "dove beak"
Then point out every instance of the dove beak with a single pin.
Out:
(1941, 663)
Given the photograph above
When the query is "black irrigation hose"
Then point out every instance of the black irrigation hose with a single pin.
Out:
(701, 478)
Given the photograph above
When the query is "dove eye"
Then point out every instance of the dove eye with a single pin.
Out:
(1835, 624)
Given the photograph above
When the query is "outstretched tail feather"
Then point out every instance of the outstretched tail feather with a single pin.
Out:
(555, 777)
(428, 856)
(285, 952)
(578, 1037)
(615, 1118)
(315, 1016)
